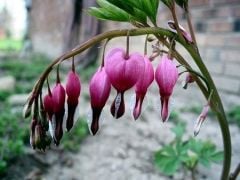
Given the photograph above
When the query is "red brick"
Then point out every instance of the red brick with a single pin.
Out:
(220, 26)
(215, 40)
(198, 2)
(233, 40)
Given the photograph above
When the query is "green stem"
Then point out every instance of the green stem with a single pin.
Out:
(216, 103)
(235, 174)
(188, 14)
(217, 106)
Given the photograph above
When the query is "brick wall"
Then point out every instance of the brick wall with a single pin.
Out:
(217, 23)
(217, 26)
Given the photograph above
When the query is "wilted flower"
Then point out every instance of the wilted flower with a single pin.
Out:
(184, 33)
(32, 133)
(123, 72)
(201, 118)
(142, 85)
(99, 89)
(166, 76)
(188, 79)
(73, 88)
(38, 137)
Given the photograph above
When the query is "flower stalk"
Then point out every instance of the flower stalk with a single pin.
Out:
(215, 103)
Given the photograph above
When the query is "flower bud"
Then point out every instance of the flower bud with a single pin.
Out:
(142, 85)
(123, 72)
(73, 88)
(188, 79)
(166, 76)
(99, 89)
(27, 110)
(184, 33)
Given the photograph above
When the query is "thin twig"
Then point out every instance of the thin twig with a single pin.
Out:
(235, 173)
(190, 26)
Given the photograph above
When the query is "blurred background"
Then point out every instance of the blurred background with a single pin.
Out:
(34, 32)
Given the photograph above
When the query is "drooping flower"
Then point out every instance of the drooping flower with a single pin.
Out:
(73, 89)
(201, 118)
(58, 96)
(32, 133)
(142, 85)
(99, 89)
(48, 105)
(38, 137)
(123, 72)
(166, 76)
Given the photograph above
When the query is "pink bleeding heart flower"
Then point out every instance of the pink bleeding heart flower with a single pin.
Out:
(73, 89)
(48, 104)
(58, 96)
(123, 72)
(142, 85)
(166, 76)
(99, 88)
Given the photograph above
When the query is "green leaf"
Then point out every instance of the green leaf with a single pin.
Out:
(168, 3)
(3, 166)
(131, 7)
(182, 3)
(150, 7)
(205, 151)
(167, 160)
(108, 11)
(179, 130)
(170, 157)
(217, 157)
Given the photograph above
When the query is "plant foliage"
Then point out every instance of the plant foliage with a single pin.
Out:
(189, 153)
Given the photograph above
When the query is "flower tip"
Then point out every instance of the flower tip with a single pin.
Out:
(118, 106)
(136, 115)
(70, 117)
(195, 133)
(94, 130)
(27, 110)
(138, 108)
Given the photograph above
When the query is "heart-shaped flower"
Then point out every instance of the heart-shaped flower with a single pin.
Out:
(99, 89)
(58, 96)
(123, 71)
(166, 76)
(142, 85)
(73, 89)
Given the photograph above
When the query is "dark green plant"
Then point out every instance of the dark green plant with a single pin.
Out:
(13, 131)
(78, 133)
(234, 115)
(188, 154)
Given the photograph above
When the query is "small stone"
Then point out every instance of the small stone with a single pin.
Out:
(35, 174)
(18, 99)
(7, 83)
